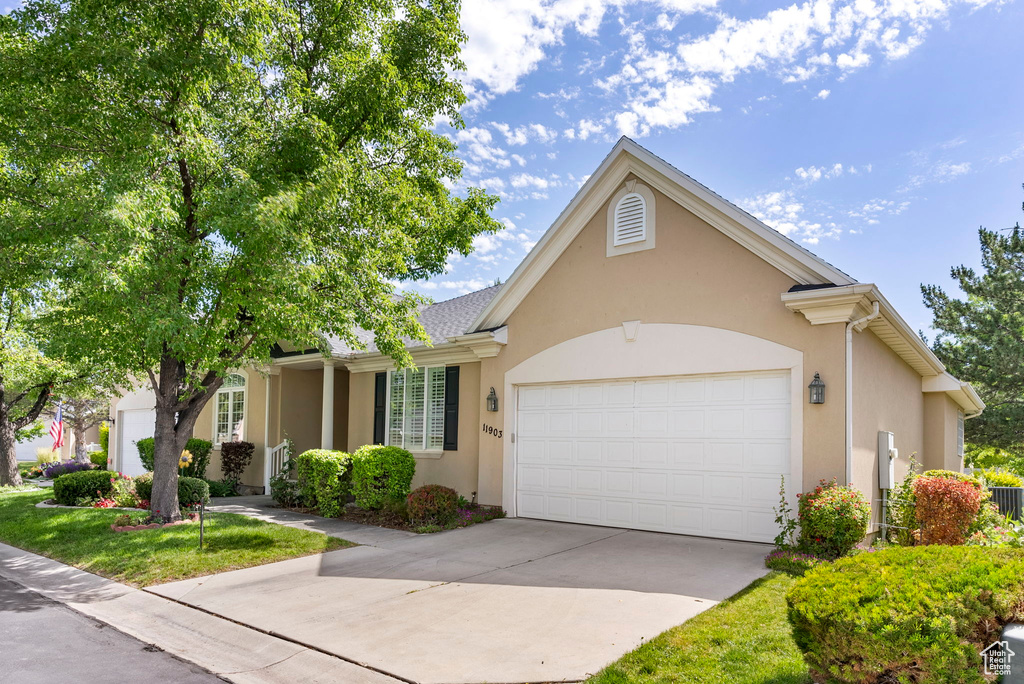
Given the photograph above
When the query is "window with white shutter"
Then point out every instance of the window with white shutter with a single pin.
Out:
(416, 408)
(630, 220)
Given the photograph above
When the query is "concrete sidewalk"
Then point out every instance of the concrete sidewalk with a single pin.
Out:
(225, 648)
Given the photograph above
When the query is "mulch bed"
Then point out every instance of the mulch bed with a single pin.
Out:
(376, 518)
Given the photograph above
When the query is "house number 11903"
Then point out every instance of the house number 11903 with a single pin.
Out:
(491, 430)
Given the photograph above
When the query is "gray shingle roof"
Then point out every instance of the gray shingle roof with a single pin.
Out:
(442, 320)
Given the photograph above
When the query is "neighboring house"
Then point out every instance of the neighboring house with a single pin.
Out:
(649, 362)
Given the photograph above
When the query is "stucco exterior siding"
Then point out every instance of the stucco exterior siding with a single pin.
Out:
(695, 276)
(940, 433)
(886, 396)
(456, 469)
(252, 429)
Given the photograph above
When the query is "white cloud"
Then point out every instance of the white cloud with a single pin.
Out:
(524, 134)
(812, 174)
(785, 213)
(823, 94)
(526, 180)
(588, 127)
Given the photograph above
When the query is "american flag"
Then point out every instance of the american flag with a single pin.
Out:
(57, 429)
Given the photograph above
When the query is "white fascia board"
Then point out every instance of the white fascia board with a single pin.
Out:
(628, 157)
(851, 302)
(961, 392)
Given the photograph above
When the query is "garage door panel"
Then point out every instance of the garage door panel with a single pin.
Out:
(687, 487)
(689, 423)
(725, 456)
(618, 482)
(619, 453)
(653, 453)
(767, 456)
(767, 422)
(687, 454)
(692, 455)
(588, 480)
(765, 388)
(727, 389)
(687, 519)
(762, 490)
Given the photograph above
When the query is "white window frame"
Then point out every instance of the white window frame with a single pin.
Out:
(245, 407)
(422, 448)
(960, 418)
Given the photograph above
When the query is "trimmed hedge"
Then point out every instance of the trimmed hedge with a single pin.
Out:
(918, 614)
(381, 473)
(432, 504)
(191, 490)
(994, 478)
(324, 479)
(69, 488)
(945, 507)
(99, 459)
(199, 448)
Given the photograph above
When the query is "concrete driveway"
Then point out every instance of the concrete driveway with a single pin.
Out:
(507, 601)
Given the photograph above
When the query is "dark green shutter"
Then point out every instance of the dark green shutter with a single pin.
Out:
(380, 403)
(451, 408)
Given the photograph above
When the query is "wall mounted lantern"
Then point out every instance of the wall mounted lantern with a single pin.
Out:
(492, 401)
(817, 388)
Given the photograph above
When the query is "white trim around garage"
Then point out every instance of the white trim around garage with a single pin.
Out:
(656, 350)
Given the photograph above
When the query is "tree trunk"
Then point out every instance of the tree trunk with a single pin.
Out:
(167, 450)
(9, 474)
(175, 420)
(79, 435)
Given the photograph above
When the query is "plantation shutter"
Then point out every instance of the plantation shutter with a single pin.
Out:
(451, 408)
(630, 220)
(380, 401)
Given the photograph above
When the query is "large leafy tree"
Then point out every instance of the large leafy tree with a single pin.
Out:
(981, 335)
(235, 173)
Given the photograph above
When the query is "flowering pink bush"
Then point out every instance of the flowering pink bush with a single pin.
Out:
(832, 519)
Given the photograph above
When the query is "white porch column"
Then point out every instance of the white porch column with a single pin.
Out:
(268, 466)
(327, 414)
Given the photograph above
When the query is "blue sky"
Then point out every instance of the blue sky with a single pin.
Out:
(878, 135)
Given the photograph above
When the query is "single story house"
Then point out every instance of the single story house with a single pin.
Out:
(646, 366)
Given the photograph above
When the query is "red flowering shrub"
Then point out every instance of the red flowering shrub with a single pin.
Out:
(832, 519)
(433, 504)
(945, 509)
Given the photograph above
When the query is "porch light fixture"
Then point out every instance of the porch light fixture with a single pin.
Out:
(492, 401)
(817, 388)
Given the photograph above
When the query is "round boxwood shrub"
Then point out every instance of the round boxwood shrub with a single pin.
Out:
(323, 479)
(380, 473)
(432, 504)
(98, 459)
(832, 519)
(69, 488)
(191, 490)
(919, 614)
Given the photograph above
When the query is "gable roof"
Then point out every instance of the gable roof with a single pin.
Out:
(625, 158)
(442, 321)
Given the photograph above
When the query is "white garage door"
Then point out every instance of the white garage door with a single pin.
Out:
(697, 455)
(134, 425)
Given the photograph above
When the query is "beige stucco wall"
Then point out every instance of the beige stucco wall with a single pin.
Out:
(940, 433)
(252, 428)
(455, 469)
(886, 396)
(695, 275)
(300, 408)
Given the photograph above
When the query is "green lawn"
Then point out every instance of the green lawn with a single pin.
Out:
(83, 538)
(743, 640)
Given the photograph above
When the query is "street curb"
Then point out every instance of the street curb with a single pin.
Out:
(224, 648)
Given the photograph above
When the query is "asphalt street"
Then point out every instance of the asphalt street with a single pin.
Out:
(44, 642)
